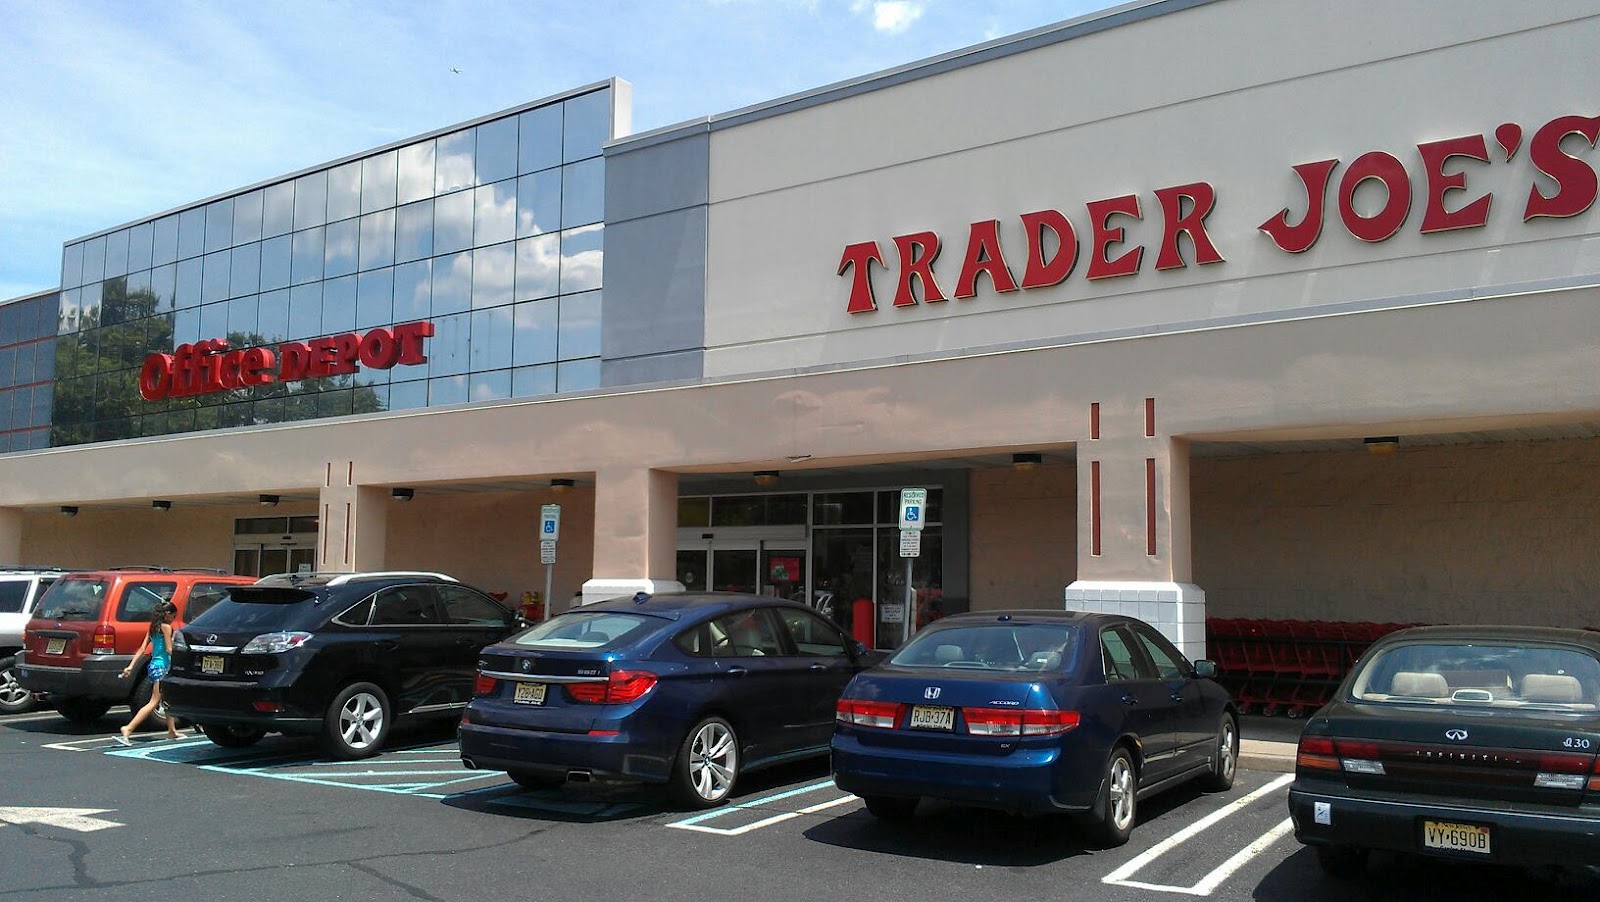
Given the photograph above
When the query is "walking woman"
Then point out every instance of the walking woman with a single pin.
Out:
(159, 642)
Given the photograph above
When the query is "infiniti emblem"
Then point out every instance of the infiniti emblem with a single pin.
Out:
(1457, 735)
(931, 692)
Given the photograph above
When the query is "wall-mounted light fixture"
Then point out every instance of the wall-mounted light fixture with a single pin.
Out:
(401, 493)
(560, 486)
(161, 504)
(268, 500)
(70, 510)
(1026, 460)
(766, 477)
(1381, 444)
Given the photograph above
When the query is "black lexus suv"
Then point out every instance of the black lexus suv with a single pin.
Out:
(337, 655)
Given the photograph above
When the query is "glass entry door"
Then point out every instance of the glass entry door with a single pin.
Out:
(774, 567)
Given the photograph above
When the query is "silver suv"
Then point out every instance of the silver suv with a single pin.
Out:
(20, 588)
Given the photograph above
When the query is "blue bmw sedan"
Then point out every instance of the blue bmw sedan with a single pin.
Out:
(1042, 711)
(689, 689)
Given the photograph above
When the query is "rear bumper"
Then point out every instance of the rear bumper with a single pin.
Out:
(212, 703)
(555, 754)
(1515, 837)
(1025, 780)
(100, 677)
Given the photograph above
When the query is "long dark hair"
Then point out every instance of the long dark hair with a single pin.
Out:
(164, 613)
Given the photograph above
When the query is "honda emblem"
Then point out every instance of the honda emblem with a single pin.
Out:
(932, 692)
(1457, 734)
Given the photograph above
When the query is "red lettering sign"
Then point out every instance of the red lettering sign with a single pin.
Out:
(210, 366)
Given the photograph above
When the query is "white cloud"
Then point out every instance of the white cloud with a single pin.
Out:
(890, 16)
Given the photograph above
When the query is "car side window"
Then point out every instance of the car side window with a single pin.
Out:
(1166, 667)
(139, 600)
(464, 607)
(813, 636)
(12, 595)
(203, 597)
(405, 606)
(742, 634)
(1119, 661)
(357, 614)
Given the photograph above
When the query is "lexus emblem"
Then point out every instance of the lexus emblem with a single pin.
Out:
(1457, 734)
(211, 639)
(931, 692)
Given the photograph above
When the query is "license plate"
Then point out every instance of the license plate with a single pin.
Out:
(529, 694)
(929, 717)
(211, 664)
(55, 647)
(1455, 837)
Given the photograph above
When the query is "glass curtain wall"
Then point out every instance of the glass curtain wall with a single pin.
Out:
(27, 368)
(493, 232)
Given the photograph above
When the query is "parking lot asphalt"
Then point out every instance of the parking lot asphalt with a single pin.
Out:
(83, 818)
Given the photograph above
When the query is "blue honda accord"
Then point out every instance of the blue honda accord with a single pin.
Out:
(687, 689)
(1042, 711)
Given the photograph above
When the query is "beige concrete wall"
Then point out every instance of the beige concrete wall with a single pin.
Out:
(193, 535)
(1024, 548)
(1504, 533)
(490, 540)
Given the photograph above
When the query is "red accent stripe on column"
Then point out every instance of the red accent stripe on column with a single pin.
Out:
(1150, 506)
(347, 531)
(1094, 420)
(1094, 508)
(1149, 417)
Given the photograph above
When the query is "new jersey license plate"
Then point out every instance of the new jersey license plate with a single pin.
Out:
(55, 646)
(932, 717)
(1455, 837)
(529, 694)
(211, 664)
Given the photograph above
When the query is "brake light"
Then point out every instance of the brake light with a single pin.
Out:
(105, 640)
(275, 643)
(1316, 753)
(861, 713)
(483, 685)
(620, 688)
(1359, 756)
(1560, 771)
(1018, 721)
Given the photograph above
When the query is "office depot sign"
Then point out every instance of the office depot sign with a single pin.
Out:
(1442, 169)
(211, 366)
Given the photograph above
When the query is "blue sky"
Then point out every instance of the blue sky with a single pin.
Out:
(113, 111)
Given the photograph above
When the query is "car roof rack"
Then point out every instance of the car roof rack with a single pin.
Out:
(343, 578)
(152, 568)
(32, 568)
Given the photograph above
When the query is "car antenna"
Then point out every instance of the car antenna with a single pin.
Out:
(641, 597)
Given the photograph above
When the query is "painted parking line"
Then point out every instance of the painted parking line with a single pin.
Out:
(698, 824)
(1213, 879)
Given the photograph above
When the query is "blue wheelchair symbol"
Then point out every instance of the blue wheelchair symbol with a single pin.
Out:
(549, 526)
(913, 514)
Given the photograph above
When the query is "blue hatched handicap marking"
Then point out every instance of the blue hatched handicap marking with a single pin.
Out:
(766, 809)
(420, 772)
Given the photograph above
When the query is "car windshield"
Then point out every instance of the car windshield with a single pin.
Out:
(1530, 677)
(587, 630)
(251, 609)
(993, 646)
(73, 599)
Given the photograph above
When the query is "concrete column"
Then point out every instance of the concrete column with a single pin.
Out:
(1133, 526)
(11, 536)
(635, 533)
(352, 522)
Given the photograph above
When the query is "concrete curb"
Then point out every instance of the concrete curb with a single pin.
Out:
(1257, 754)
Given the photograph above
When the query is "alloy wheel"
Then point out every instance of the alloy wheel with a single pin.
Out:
(1225, 749)
(1121, 793)
(713, 761)
(361, 720)
(12, 695)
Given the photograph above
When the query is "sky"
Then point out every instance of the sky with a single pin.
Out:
(114, 111)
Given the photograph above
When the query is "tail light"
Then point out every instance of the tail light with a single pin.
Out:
(1359, 757)
(484, 685)
(1559, 771)
(861, 713)
(275, 643)
(1019, 721)
(621, 687)
(105, 640)
(1316, 753)
(1594, 778)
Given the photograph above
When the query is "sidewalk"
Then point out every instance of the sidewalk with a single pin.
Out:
(1268, 743)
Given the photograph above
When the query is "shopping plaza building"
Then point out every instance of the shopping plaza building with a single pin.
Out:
(1183, 309)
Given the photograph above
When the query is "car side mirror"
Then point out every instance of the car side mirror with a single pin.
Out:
(1205, 670)
(861, 649)
(521, 622)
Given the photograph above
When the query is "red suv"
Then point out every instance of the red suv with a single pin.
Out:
(88, 626)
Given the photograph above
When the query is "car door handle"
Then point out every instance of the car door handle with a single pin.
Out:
(1177, 696)
(819, 666)
(387, 645)
(1130, 700)
(735, 671)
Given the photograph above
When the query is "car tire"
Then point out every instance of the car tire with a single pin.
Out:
(530, 780)
(357, 722)
(140, 696)
(232, 737)
(82, 710)
(1117, 807)
(1225, 757)
(13, 698)
(1342, 862)
(707, 766)
(890, 808)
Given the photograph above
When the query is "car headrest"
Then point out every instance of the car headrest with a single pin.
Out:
(944, 654)
(1419, 685)
(1551, 687)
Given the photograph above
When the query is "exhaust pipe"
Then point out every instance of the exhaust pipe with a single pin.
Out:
(579, 776)
(468, 763)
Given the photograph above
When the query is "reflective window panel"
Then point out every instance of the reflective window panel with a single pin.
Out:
(586, 127)
(278, 210)
(579, 321)
(583, 192)
(416, 172)
(247, 217)
(375, 299)
(539, 139)
(492, 276)
(117, 253)
(413, 291)
(538, 266)
(310, 200)
(452, 222)
(496, 157)
(494, 213)
(452, 284)
(344, 191)
(165, 241)
(191, 233)
(377, 239)
(339, 254)
(378, 182)
(582, 256)
(413, 232)
(219, 225)
(453, 162)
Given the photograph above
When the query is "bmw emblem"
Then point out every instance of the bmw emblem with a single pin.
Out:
(527, 666)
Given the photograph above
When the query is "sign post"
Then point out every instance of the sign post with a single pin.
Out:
(913, 512)
(549, 532)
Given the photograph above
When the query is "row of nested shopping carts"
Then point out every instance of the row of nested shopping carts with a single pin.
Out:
(1287, 666)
